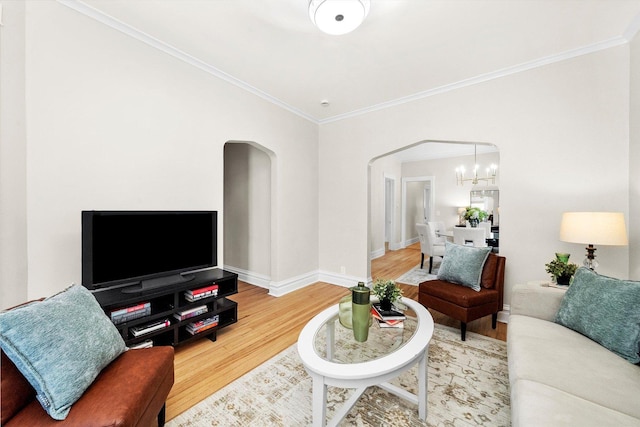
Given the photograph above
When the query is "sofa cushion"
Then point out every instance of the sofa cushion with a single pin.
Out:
(463, 265)
(548, 353)
(489, 271)
(60, 345)
(457, 294)
(604, 309)
(536, 404)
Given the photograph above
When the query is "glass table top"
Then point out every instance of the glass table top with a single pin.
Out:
(345, 349)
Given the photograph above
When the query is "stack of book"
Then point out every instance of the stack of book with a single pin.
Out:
(388, 318)
(203, 325)
(191, 312)
(196, 294)
(150, 327)
(122, 315)
(143, 344)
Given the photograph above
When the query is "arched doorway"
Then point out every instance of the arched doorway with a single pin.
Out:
(248, 218)
(415, 166)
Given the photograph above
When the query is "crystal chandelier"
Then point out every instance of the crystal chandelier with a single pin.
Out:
(490, 172)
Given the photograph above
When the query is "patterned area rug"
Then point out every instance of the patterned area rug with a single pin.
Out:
(468, 386)
(417, 275)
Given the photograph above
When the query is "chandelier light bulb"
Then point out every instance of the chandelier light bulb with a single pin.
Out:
(475, 179)
(338, 17)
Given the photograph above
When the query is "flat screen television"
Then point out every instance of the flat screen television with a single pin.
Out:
(144, 250)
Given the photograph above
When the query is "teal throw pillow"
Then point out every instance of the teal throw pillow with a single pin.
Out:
(463, 265)
(605, 309)
(60, 345)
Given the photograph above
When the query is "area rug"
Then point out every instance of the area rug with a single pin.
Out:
(468, 385)
(417, 275)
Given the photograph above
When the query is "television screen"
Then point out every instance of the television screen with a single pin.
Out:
(131, 247)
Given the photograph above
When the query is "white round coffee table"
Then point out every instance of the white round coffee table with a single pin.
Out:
(333, 358)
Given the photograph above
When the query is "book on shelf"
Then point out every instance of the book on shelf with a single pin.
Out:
(150, 327)
(142, 344)
(392, 314)
(390, 323)
(208, 288)
(191, 312)
(204, 292)
(203, 325)
(125, 314)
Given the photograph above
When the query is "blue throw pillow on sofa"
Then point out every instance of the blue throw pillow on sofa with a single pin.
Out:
(605, 309)
(463, 265)
(60, 345)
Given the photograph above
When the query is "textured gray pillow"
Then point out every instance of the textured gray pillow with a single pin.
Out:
(60, 345)
(605, 309)
(463, 265)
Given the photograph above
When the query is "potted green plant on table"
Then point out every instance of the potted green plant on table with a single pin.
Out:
(387, 291)
(561, 270)
(475, 215)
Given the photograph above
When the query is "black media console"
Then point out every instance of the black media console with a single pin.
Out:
(173, 314)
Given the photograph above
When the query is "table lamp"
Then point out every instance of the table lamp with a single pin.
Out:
(593, 228)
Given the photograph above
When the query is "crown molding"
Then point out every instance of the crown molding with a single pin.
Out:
(114, 23)
(606, 44)
(118, 25)
(632, 29)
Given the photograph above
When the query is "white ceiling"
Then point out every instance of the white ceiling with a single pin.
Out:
(405, 49)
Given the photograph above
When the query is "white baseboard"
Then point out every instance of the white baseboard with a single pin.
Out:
(283, 287)
(396, 246)
(277, 289)
(411, 241)
(377, 253)
(250, 277)
(503, 316)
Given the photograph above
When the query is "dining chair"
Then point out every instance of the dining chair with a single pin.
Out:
(428, 245)
(437, 227)
(470, 236)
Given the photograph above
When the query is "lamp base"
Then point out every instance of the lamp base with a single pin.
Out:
(590, 261)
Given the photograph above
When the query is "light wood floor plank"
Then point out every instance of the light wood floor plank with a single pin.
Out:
(268, 325)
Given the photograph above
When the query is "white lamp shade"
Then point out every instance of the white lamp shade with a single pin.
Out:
(597, 228)
(338, 17)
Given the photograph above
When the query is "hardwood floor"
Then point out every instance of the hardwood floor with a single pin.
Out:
(267, 325)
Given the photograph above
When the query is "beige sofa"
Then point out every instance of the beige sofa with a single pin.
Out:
(559, 377)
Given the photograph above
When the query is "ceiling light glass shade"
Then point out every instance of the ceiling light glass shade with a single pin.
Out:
(338, 17)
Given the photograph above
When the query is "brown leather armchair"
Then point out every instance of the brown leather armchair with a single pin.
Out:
(131, 391)
(463, 303)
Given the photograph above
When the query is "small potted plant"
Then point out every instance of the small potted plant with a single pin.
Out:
(475, 215)
(562, 271)
(387, 291)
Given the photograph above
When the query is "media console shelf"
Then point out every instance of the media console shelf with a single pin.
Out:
(174, 314)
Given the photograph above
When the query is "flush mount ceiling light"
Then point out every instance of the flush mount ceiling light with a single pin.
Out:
(338, 16)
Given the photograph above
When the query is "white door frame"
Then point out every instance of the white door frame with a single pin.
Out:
(432, 180)
(392, 220)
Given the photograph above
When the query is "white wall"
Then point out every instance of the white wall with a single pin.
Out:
(555, 127)
(106, 122)
(13, 162)
(634, 162)
(114, 124)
